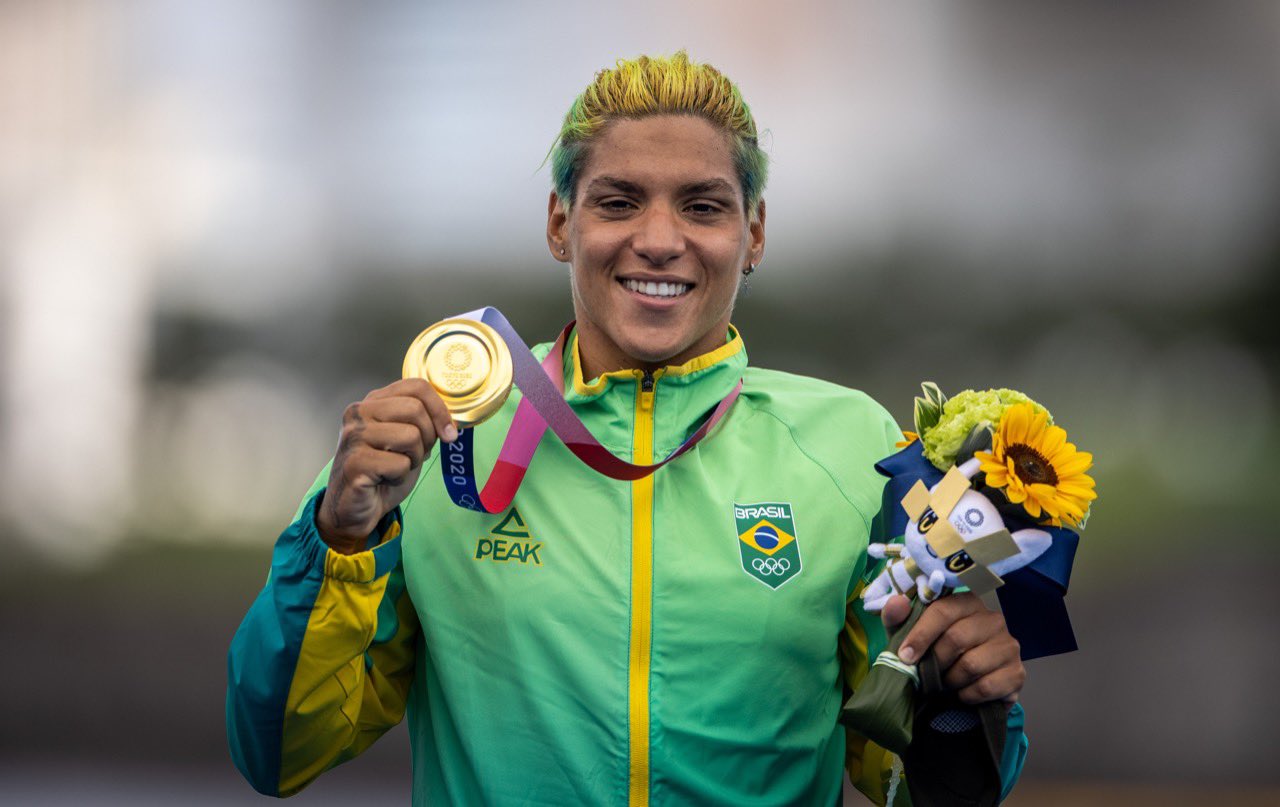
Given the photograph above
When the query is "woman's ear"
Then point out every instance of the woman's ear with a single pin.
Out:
(756, 228)
(557, 229)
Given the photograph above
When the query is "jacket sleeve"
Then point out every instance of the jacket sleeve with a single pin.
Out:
(322, 663)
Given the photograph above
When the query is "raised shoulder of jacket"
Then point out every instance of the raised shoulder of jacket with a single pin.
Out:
(844, 430)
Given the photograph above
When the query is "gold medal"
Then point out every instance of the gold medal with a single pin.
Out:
(467, 363)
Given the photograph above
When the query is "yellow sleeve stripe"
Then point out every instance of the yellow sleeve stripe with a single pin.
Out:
(326, 700)
(364, 567)
(870, 769)
(388, 676)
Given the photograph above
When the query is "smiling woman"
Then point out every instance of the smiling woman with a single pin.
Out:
(686, 637)
(659, 239)
(658, 177)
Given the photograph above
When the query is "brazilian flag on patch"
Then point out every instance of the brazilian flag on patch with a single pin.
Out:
(767, 541)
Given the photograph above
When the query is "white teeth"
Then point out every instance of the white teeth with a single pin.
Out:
(652, 289)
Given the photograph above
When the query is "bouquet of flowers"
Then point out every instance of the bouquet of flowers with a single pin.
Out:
(985, 495)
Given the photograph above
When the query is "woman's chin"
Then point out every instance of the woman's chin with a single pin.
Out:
(653, 355)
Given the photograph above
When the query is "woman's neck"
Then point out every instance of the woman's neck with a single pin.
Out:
(599, 354)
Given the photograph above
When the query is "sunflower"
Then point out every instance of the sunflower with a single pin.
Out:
(1038, 468)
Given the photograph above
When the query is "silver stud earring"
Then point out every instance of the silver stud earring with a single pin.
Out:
(561, 250)
(751, 267)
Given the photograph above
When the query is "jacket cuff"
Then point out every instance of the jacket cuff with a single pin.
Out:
(381, 556)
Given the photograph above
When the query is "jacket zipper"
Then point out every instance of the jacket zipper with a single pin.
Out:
(641, 593)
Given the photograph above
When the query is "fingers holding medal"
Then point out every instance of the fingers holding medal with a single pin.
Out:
(405, 417)
(384, 440)
(456, 374)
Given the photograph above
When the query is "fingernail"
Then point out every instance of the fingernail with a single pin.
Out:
(907, 654)
(450, 433)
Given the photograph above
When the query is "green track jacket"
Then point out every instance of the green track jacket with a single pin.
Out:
(687, 638)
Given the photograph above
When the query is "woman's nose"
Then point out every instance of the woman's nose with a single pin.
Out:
(659, 238)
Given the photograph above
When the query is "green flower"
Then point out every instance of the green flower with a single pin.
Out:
(961, 413)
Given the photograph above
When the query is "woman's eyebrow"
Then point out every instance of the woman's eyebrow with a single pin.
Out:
(713, 185)
(616, 184)
(716, 185)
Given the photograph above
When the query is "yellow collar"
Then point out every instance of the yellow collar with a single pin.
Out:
(730, 348)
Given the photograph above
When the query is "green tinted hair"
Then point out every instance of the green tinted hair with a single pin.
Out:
(638, 88)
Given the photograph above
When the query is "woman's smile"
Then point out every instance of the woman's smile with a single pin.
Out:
(657, 290)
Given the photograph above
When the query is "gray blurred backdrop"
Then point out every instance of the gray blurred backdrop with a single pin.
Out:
(222, 221)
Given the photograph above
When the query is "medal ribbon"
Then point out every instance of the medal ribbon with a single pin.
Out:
(542, 406)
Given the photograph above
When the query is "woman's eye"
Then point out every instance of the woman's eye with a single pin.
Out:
(707, 206)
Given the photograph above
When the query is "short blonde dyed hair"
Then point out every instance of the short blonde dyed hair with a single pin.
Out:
(662, 85)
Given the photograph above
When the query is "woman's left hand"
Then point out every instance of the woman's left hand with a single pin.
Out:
(976, 655)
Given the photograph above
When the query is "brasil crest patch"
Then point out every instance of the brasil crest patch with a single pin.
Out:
(767, 541)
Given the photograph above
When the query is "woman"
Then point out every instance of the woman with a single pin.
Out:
(667, 640)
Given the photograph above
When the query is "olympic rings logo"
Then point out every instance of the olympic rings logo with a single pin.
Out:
(771, 565)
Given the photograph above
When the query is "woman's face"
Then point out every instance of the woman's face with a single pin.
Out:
(657, 239)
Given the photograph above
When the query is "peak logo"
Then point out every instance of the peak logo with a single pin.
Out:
(509, 541)
(767, 542)
(512, 526)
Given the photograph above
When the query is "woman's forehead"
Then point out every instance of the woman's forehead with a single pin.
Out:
(676, 151)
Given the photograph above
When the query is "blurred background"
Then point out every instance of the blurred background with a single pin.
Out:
(222, 221)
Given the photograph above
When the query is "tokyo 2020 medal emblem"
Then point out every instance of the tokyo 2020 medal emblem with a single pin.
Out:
(468, 364)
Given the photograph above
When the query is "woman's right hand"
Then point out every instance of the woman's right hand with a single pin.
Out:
(385, 439)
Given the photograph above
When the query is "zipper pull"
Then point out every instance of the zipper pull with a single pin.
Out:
(646, 383)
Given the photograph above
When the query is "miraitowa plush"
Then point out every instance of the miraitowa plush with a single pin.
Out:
(955, 537)
(981, 498)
